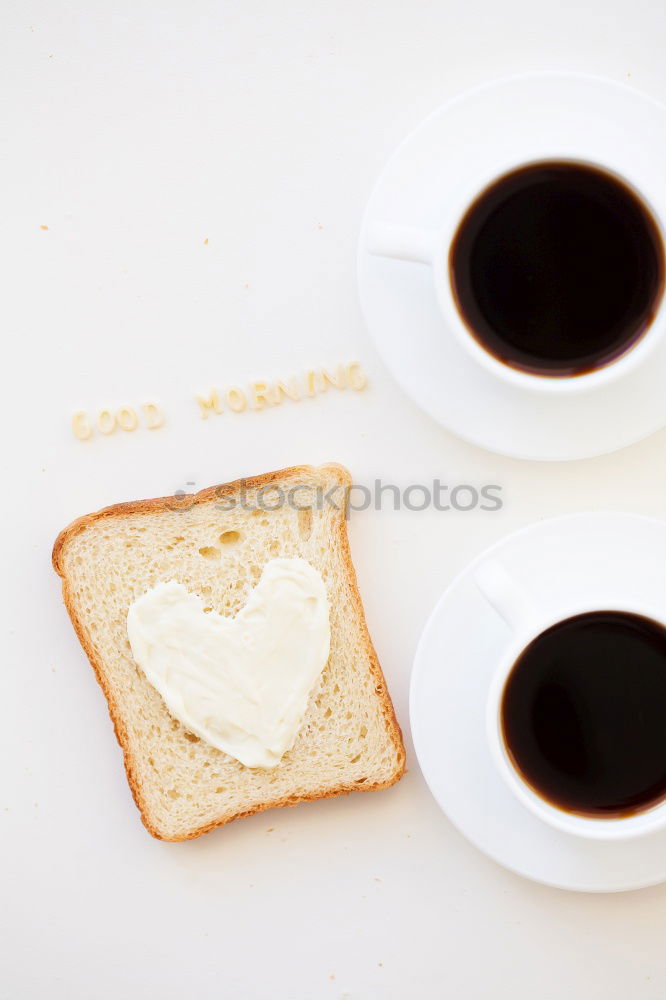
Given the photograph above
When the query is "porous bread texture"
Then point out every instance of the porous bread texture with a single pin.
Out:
(184, 787)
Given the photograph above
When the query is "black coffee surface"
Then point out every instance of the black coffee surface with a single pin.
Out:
(583, 714)
(557, 268)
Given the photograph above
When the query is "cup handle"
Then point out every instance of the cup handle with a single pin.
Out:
(507, 597)
(402, 242)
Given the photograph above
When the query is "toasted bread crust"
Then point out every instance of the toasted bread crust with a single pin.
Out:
(206, 496)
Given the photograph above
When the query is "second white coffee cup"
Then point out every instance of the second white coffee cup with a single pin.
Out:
(527, 620)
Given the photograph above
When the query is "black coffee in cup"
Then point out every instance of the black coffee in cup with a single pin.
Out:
(583, 714)
(557, 268)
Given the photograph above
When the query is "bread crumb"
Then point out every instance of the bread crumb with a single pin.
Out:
(206, 242)
(376, 879)
(270, 829)
(44, 227)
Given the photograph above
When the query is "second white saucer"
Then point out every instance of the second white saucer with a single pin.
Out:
(561, 562)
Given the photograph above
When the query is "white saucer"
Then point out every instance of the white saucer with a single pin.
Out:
(561, 562)
(554, 115)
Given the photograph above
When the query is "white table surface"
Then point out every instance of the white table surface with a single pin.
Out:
(135, 130)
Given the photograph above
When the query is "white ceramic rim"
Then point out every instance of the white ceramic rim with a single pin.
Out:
(612, 828)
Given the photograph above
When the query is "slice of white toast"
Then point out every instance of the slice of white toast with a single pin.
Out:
(216, 543)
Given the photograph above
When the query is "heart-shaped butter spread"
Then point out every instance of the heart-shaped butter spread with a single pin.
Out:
(242, 684)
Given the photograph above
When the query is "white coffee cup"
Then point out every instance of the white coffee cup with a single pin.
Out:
(431, 247)
(527, 621)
